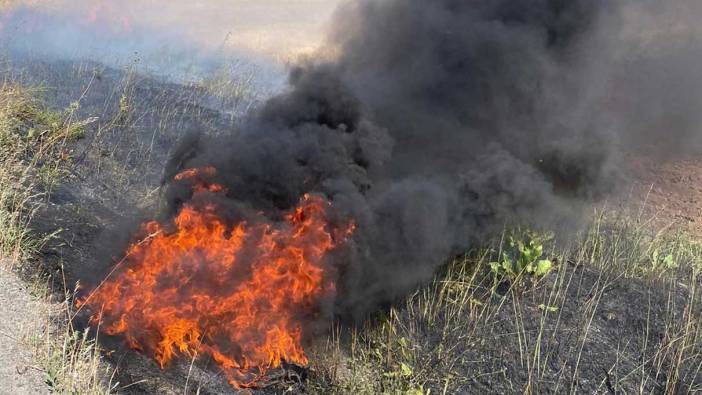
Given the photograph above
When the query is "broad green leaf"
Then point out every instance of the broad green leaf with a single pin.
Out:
(543, 267)
(529, 268)
(402, 342)
(507, 266)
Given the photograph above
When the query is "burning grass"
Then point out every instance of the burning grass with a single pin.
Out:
(240, 294)
(37, 151)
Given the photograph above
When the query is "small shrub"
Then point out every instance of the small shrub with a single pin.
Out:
(522, 256)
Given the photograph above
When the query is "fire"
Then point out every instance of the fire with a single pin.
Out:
(238, 293)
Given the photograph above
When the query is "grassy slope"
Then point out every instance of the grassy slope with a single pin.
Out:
(619, 313)
(34, 155)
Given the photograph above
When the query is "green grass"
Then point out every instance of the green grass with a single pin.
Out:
(34, 155)
(19, 115)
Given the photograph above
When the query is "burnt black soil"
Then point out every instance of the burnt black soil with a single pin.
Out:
(604, 336)
(605, 329)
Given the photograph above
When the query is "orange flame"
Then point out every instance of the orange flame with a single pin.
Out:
(237, 293)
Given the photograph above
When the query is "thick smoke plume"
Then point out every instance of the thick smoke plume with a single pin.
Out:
(442, 122)
(439, 123)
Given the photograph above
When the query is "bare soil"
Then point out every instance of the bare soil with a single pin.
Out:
(20, 318)
(670, 190)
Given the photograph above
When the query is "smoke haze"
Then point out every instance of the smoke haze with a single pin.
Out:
(175, 39)
(275, 28)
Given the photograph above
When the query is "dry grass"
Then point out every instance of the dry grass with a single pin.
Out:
(33, 156)
(466, 332)
(70, 359)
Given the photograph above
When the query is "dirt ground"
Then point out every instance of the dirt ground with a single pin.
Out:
(20, 318)
(670, 191)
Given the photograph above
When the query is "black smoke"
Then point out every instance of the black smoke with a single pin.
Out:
(437, 124)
